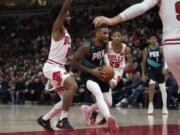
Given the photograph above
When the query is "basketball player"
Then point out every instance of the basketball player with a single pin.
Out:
(89, 58)
(153, 65)
(170, 16)
(63, 83)
(116, 52)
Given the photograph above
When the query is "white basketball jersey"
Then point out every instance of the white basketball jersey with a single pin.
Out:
(170, 16)
(60, 50)
(116, 60)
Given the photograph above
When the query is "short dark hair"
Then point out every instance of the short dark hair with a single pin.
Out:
(100, 27)
(114, 31)
(54, 11)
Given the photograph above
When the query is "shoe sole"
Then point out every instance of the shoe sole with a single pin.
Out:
(111, 124)
(84, 116)
(38, 121)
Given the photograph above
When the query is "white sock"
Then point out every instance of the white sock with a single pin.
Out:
(54, 111)
(64, 114)
(150, 103)
(96, 90)
(164, 94)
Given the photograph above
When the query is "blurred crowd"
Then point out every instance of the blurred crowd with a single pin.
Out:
(24, 46)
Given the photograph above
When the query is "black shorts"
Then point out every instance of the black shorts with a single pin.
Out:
(105, 86)
(156, 75)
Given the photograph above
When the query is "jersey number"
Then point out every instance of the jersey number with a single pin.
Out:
(114, 64)
(177, 5)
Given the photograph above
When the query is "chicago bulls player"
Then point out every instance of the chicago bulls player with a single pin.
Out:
(116, 53)
(170, 16)
(55, 71)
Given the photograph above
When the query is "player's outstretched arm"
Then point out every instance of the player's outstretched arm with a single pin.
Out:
(58, 26)
(129, 13)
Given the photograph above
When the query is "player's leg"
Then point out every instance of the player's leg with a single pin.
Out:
(151, 96)
(108, 100)
(173, 60)
(96, 90)
(70, 85)
(62, 78)
(162, 86)
(44, 120)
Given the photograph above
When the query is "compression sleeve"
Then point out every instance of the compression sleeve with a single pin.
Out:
(137, 9)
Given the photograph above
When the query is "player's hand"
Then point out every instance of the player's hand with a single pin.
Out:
(102, 20)
(97, 73)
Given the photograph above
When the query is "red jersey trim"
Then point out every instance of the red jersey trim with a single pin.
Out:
(53, 62)
(178, 39)
(171, 44)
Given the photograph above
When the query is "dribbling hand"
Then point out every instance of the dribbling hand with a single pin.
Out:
(97, 73)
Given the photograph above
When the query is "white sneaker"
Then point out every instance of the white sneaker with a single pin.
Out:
(164, 111)
(150, 109)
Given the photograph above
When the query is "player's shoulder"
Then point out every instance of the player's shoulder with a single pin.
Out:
(86, 44)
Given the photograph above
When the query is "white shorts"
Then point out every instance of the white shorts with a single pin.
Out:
(56, 74)
(117, 76)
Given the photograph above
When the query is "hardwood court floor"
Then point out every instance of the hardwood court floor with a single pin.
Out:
(21, 120)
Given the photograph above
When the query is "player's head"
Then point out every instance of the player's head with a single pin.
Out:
(102, 34)
(116, 35)
(153, 40)
(54, 12)
(117, 45)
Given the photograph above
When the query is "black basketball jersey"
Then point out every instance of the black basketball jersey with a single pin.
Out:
(154, 60)
(96, 56)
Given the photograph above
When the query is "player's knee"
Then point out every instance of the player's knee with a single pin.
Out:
(109, 104)
(70, 84)
(73, 88)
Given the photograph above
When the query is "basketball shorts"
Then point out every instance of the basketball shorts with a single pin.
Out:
(155, 76)
(56, 74)
(105, 86)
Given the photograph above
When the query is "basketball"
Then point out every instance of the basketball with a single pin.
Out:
(109, 72)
